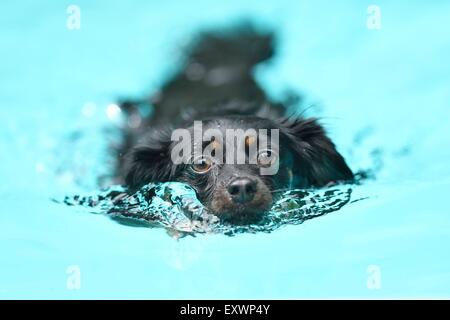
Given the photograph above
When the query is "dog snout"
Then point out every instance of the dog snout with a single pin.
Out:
(242, 190)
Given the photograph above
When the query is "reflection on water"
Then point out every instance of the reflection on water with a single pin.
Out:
(174, 206)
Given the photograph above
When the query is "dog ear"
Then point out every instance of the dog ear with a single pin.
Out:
(149, 162)
(316, 160)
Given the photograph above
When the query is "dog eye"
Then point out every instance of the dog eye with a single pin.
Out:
(201, 165)
(266, 158)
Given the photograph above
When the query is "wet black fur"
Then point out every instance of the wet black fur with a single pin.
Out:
(216, 82)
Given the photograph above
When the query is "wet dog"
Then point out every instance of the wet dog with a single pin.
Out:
(215, 88)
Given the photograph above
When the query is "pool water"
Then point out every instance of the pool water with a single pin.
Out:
(383, 95)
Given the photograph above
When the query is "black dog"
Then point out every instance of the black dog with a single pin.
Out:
(216, 85)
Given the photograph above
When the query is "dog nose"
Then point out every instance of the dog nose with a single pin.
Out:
(242, 190)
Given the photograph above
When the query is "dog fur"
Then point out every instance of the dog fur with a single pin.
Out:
(216, 85)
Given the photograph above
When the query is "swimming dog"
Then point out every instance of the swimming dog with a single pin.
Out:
(215, 88)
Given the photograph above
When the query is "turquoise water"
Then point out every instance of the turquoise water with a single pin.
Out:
(383, 94)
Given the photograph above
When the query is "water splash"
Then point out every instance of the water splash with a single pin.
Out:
(175, 207)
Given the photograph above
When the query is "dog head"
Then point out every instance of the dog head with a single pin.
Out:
(237, 177)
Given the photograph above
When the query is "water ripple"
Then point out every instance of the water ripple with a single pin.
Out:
(175, 207)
